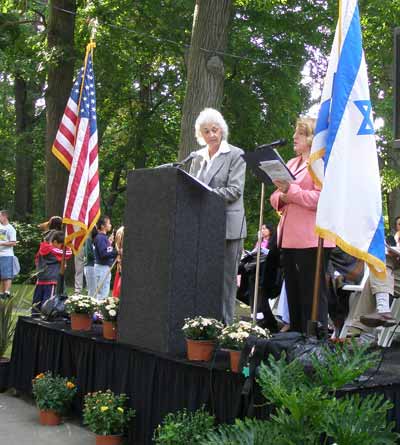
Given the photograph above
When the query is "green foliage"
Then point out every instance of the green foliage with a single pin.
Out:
(8, 307)
(244, 432)
(357, 421)
(390, 179)
(184, 427)
(141, 77)
(53, 392)
(106, 413)
(28, 240)
(306, 408)
(7, 325)
(343, 366)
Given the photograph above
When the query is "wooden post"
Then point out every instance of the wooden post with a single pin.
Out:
(260, 223)
(313, 323)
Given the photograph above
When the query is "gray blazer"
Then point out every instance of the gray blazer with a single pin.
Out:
(226, 177)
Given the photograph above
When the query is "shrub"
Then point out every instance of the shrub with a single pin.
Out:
(184, 427)
(53, 392)
(28, 237)
(105, 413)
(8, 320)
(307, 410)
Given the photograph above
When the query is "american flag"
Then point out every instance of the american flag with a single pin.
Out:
(76, 147)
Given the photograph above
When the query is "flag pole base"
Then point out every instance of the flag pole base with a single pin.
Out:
(315, 329)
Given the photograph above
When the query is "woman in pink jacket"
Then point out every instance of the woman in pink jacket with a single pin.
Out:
(297, 203)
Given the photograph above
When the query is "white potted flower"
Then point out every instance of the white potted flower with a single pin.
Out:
(234, 337)
(201, 334)
(81, 309)
(109, 311)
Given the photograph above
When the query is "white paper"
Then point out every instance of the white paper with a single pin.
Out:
(202, 183)
(276, 171)
(393, 249)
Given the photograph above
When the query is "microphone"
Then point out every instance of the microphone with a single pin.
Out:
(277, 143)
(188, 158)
(192, 155)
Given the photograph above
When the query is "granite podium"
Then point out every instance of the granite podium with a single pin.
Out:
(173, 258)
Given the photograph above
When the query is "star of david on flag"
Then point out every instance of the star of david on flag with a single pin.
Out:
(344, 159)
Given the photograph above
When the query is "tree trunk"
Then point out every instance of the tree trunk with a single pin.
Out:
(60, 75)
(24, 109)
(393, 74)
(393, 206)
(205, 78)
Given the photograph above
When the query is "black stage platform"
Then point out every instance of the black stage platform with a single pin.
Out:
(157, 384)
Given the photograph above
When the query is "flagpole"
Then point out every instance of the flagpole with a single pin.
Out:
(60, 282)
(260, 222)
(89, 48)
(312, 325)
(340, 26)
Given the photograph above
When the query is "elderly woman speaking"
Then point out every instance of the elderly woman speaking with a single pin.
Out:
(221, 166)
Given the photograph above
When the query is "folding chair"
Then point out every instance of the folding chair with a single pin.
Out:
(355, 290)
(386, 335)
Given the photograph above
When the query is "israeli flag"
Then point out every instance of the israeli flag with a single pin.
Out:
(344, 159)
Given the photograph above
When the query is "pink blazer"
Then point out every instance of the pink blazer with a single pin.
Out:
(296, 228)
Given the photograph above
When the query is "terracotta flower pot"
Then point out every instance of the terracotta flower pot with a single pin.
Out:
(49, 417)
(110, 330)
(200, 350)
(235, 359)
(115, 439)
(81, 322)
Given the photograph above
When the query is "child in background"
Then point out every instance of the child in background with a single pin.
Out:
(119, 242)
(48, 260)
(89, 264)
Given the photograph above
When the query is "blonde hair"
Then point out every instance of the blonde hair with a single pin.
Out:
(307, 124)
(119, 238)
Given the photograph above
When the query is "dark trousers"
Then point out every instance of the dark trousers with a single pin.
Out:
(41, 294)
(299, 271)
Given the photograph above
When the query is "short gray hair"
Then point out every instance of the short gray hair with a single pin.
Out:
(210, 116)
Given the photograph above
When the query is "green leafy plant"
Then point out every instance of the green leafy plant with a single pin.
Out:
(344, 365)
(106, 413)
(244, 432)
(235, 335)
(53, 392)
(201, 328)
(184, 427)
(8, 308)
(108, 308)
(307, 410)
(7, 324)
(359, 421)
(80, 304)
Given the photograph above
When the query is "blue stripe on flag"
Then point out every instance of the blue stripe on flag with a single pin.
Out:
(375, 248)
(347, 70)
(323, 117)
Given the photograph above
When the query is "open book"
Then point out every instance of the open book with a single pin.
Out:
(276, 169)
(267, 165)
(393, 249)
